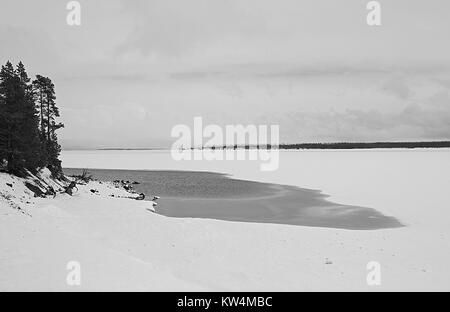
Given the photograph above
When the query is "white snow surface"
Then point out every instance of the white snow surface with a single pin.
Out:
(120, 245)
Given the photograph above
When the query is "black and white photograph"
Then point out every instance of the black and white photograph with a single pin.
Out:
(218, 146)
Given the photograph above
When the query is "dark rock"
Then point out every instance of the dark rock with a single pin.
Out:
(141, 196)
(9, 184)
(70, 188)
(50, 191)
(36, 190)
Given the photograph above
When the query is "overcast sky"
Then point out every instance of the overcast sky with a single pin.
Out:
(134, 69)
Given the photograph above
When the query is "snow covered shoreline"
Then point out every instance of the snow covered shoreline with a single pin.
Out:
(122, 246)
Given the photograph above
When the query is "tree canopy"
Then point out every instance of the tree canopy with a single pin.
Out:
(28, 122)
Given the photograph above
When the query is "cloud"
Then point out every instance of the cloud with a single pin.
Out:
(35, 48)
(397, 87)
(136, 68)
(172, 28)
(414, 122)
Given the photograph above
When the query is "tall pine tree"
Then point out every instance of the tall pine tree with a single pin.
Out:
(48, 113)
(29, 134)
(28, 139)
(19, 140)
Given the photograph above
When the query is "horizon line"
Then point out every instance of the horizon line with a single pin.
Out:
(310, 145)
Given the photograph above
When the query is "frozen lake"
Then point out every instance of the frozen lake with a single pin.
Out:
(411, 185)
(216, 196)
(394, 182)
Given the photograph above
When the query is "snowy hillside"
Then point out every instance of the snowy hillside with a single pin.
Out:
(23, 193)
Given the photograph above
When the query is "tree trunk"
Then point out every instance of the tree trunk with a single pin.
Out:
(42, 114)
(48, 121)
(9, 153)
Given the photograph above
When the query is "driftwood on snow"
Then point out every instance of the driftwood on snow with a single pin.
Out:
(69, 189)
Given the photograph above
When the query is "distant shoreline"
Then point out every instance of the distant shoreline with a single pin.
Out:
(348, 145)
(337, 145)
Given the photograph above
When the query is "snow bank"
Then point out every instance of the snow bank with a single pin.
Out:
(122, 246)
(411, 185)
(20, 193)
(39, 236)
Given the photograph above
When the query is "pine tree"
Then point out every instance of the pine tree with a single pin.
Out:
(39, 86)
(9, 117)
(3, 129)
(19, 141)
(28, 137)
(48, 112)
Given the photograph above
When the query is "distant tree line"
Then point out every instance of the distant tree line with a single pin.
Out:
(366, 145)
(340, 145)
(28, 122)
